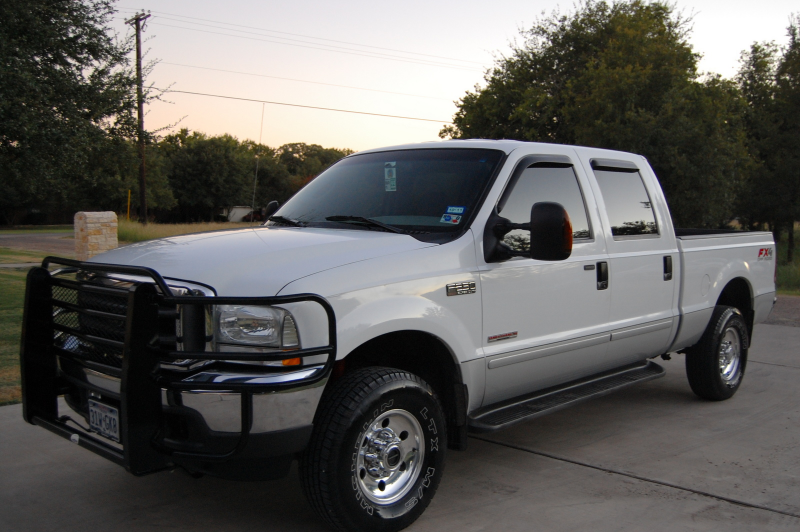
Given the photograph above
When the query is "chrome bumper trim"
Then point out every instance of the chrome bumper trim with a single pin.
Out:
(102, 381)
(249, 378)
(221, 411)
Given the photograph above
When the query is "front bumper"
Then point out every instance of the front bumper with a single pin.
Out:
(224, 419)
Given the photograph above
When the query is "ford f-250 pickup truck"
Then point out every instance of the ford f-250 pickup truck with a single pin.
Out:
(403, 298)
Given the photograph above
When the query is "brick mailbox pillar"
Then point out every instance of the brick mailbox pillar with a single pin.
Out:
(95, 232)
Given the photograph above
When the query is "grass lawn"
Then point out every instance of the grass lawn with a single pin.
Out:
(18, 256)
(129, 231)
(789, 274)
(12, 290)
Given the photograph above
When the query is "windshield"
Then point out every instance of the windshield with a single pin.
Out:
(428, 191)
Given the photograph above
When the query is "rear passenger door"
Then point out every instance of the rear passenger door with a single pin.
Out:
(642, 258)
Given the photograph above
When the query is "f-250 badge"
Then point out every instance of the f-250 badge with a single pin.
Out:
(765, 254)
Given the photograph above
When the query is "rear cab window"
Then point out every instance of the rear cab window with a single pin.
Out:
(629, 207)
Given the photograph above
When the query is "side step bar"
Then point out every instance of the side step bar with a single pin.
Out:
(506, 414)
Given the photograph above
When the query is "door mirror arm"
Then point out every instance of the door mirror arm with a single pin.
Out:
(494, 249)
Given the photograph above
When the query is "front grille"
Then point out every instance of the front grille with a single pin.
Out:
(89, 322)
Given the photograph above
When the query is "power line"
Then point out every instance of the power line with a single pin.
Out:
(390, 58)
(328, 46)
(303, 106)
(317, 38)
(303, 81)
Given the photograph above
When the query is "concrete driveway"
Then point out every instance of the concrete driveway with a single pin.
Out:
(652, 458)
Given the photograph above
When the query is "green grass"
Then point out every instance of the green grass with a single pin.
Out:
(18, 256)
(12, 291)
(789, 274)
(129, 231)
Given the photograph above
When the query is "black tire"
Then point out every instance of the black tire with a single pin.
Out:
(357, 416)
(710, 375)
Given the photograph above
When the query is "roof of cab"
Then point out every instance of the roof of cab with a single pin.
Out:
(505, 145)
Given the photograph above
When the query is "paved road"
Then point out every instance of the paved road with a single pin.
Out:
(652, 458)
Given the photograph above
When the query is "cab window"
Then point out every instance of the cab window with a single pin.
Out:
(542, 182)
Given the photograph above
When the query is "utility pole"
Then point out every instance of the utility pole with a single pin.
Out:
(138, 22)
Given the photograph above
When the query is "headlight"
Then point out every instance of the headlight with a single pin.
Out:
(256, 326)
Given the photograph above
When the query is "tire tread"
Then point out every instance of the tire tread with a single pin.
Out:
(337, 406)
(701, 363)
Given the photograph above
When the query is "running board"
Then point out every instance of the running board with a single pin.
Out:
(506, 415)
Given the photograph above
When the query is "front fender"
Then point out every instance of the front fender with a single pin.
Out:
(367, 314)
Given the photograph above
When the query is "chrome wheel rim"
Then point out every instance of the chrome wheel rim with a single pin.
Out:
(390, 457)
(730, 354)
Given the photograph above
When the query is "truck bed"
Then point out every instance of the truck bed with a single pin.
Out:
(710, 259)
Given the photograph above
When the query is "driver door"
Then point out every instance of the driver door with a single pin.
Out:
(545, 322)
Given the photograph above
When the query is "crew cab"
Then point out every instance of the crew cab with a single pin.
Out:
(403, 298)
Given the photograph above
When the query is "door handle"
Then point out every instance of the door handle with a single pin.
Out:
(668, 267)
(602, 275)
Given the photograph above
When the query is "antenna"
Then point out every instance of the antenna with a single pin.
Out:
(255, 178)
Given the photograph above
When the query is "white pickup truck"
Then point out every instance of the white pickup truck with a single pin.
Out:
(405, 297)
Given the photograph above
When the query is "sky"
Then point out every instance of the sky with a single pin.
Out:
(410, 59)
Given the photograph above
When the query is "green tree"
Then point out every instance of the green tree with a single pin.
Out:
(306, 161)
(620, 75)
(207, 173)
(769, 78)
(66, 96)
(788, 138)
(274, 181)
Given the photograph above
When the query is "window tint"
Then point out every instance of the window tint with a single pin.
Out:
(430, 190)
(537, 184)
(628, 206)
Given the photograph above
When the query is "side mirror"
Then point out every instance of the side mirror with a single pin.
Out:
(550, 235)
(551, 232)
(272, 208)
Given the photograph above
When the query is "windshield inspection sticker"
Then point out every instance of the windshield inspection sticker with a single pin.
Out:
(456, 210)
(454, 219)
(390, 176)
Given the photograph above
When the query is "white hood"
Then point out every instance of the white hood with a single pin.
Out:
(258, 261)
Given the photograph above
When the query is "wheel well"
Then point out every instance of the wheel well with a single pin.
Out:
(427, 357)
(737, 294)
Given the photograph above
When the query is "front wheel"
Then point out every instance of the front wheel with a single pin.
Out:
(715, 365)
(376, 454)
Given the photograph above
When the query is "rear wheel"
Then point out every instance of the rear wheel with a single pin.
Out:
(377, 451)
(715, 365)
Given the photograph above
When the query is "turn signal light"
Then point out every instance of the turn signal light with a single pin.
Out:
(292, 361)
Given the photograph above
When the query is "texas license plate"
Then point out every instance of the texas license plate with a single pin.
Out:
(104, 420)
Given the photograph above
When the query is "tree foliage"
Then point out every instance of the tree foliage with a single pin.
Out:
(66, 97)
(193, 176)
(620, 75)
(769, 78)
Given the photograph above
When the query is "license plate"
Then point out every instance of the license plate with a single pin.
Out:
(104, 420)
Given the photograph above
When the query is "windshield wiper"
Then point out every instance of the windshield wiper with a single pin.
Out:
(286, 221)
(366, 221)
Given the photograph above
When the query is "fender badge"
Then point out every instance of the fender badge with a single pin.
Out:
(504, 336)
(460, 289)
